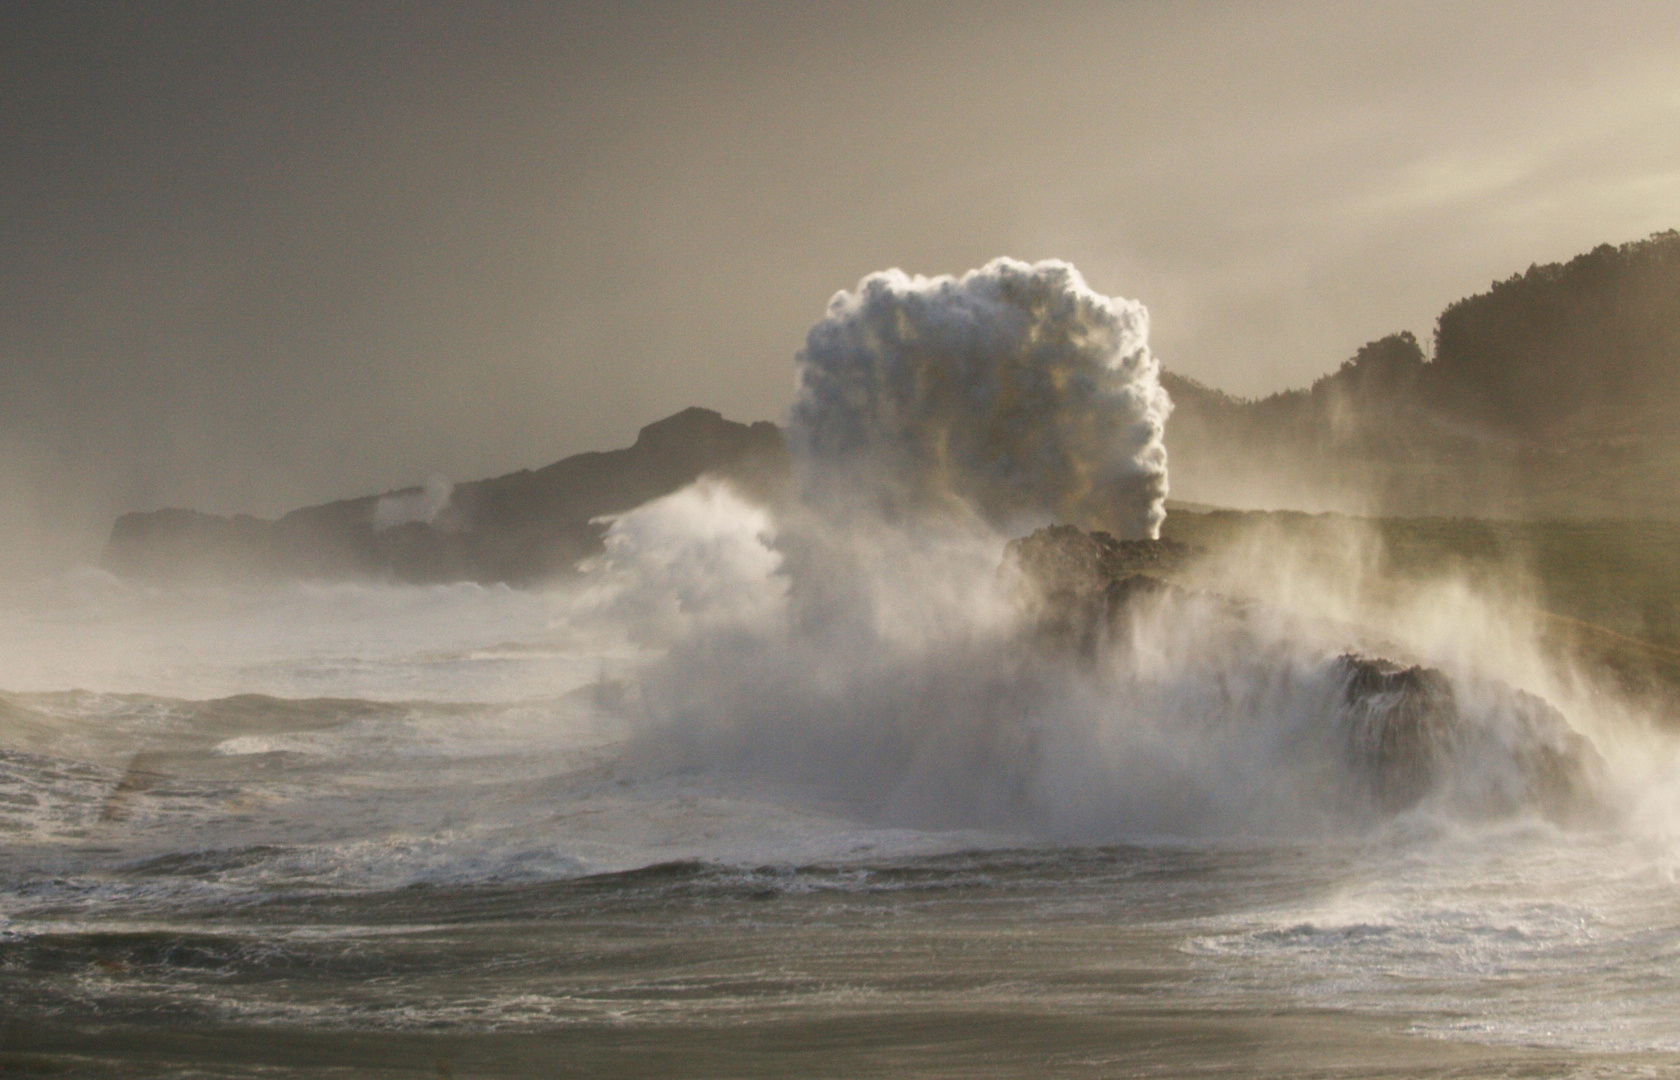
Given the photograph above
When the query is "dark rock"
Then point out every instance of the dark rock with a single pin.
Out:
(1065, 556)
(1408, 733)
(1401, 723)
(1077, 582)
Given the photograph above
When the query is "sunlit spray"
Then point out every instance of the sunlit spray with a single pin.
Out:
(935, 419)
(1014, 392)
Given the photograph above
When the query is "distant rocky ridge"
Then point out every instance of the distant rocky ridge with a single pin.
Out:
(1556, 394)
(518, 528)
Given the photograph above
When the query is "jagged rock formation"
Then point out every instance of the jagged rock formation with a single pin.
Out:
(516, 528)
(1076, 583)
(1407, 732)
(1400, 732)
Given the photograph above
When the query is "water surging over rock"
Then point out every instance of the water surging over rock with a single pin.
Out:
(1409, 729)
(1391, 735)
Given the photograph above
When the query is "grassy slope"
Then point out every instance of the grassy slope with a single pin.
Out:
(1609, 591)
(1554, 394)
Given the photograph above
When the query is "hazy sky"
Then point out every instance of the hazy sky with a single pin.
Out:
(259, 255)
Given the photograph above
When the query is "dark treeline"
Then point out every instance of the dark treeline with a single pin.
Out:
(1600, 333)
(1556, 392)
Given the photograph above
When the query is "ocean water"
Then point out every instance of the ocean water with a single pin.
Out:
(370, 830)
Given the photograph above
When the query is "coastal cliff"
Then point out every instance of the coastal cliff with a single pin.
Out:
(517, 528)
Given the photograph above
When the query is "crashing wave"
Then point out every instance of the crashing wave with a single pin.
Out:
(1403, 733)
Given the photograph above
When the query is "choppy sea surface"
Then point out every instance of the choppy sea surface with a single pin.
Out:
(312, 830)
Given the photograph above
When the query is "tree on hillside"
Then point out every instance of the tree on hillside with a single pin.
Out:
(1600, 332)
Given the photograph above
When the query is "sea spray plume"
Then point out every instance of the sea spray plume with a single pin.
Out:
(1152, 710)
(1015, 392)
(896, 673)
(697, 560)
(421, 504)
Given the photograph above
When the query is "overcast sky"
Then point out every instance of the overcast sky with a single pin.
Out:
(260, 255)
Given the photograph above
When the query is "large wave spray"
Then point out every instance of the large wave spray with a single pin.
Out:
(859, 642)
(1015, 391)
(866, 639)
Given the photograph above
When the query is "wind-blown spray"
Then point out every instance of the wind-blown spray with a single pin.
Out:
(1014, 392)
(867, 637)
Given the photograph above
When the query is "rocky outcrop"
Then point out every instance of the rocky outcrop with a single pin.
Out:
(1409, 731)
(518, 528)
(1076, 583)
(1390, 734)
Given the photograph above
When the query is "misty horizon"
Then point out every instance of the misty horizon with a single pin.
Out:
(263, 258)
(641, 539)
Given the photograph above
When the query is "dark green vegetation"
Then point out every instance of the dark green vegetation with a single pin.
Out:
(1556, 393)
(1607, 592)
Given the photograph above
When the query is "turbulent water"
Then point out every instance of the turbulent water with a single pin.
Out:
(458, 831)
(825, 787)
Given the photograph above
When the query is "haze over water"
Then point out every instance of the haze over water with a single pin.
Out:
(794, 787)
(460, 846)
(825, 773)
